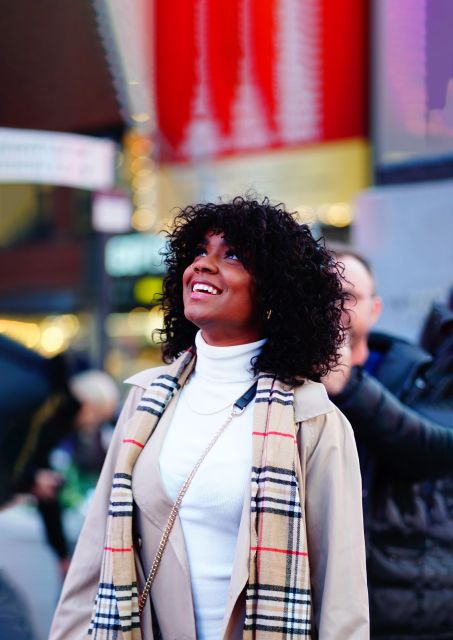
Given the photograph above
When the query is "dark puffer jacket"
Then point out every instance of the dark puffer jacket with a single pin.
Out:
(408, 499)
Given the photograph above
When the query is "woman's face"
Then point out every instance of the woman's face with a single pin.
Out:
(218, 295)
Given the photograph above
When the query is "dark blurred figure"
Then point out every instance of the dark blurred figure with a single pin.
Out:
(437, 338)
(28, 382)
(41, 406)
(14, 616)
(402, 419)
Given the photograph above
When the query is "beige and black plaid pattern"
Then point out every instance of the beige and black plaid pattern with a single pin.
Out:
(116, 604)
(278, 604)
(278, 592)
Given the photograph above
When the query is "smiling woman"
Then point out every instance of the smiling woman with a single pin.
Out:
(293, 283)
(232, 453)
(218, 295)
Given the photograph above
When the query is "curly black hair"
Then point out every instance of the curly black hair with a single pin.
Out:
(296, 278)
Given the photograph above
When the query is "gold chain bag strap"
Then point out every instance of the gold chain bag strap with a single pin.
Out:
(237, 409)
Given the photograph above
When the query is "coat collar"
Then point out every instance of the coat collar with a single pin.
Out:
(311, 399)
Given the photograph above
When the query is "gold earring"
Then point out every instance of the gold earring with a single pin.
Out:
(268, 314)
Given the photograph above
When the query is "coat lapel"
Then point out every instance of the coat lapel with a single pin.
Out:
(172, 586)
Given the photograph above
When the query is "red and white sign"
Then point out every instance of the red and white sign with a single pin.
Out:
(236, 75)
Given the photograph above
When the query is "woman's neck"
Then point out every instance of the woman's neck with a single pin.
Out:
(225, 363)
(228, 337)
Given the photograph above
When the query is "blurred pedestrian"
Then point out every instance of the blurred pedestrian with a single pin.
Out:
(436, 394)
(35, 423)
(409, 524)
(268, 540)
(28, 382)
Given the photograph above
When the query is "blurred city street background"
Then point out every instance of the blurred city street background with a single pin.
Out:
(113, 113)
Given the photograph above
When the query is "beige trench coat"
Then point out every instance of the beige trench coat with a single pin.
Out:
(330, 469)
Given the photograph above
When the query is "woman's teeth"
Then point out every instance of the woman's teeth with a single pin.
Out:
(205, 288)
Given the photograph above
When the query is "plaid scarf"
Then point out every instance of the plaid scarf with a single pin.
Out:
(278, 591)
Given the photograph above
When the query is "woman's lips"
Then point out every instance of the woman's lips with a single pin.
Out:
(202, 295)
(199, 295)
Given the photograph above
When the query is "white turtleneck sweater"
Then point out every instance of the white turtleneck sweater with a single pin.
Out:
(211, 509)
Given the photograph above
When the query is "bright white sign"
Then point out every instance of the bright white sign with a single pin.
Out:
(111, 213)
(60, 159)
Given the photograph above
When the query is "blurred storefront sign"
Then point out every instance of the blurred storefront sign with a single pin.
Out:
(134, 255)
(63, 159)
(135, 267)
(128, 292)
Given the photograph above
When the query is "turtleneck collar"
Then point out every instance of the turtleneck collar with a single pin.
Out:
(225, 364)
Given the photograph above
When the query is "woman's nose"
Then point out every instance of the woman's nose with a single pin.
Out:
(205, 263)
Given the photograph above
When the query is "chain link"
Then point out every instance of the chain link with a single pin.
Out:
(175, 509)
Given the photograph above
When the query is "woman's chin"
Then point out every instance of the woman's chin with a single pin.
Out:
(196, 316)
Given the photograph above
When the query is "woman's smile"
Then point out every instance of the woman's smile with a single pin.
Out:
(201, 289)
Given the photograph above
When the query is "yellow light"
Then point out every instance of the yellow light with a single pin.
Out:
(305, 214)
(145, 182)
(52, 340)
(140, 117)
(140, 200)
(32, 336)
(147, 288)
(339, 214)
(140, 146)
(141, 166)
(155, 321)
(145, 172)
(143, 219)
(137, 323)
(69, 324)
(27, 333)
(114, 363)
(322, 213)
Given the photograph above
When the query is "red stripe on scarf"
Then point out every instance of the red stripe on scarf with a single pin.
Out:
(272, 433)
(118, 549)
(139, 444)
(287, 551)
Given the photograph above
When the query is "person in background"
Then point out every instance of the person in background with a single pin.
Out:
(408, 508)
(64, 407)
(232, 452)
(435, 398)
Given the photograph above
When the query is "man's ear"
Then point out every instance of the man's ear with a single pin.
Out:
(376, 309)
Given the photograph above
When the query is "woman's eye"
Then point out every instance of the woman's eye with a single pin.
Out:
(231, 255)
(201, 251)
